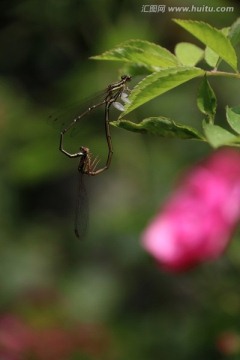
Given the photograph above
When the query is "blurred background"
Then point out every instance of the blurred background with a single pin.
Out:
(101, 298)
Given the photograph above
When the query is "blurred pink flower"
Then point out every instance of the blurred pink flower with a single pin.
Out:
(60, 344)
(228, 343)
(14, 338)
(197, 222)
(19, 341)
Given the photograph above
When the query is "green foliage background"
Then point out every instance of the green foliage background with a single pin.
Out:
(107, 279)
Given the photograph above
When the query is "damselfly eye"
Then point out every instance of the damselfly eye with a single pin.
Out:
(84, 151)
(126, 77)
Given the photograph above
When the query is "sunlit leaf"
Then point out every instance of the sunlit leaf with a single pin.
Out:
(188, 54)
(140, 52)
(211, 57)
(159, 83)
(213, 38)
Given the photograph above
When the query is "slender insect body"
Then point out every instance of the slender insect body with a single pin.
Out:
(87, 164)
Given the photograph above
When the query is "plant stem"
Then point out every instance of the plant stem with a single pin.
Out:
(223, 73)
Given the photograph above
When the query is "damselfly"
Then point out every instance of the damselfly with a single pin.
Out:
(113, 92)
(88, 165)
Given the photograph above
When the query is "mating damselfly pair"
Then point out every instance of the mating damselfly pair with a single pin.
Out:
(88, 164)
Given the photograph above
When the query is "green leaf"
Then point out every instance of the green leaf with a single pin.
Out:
(213, 38)
(140, 52)
(188, 54)
(160, 126)
(233, 118)
(211, 57)
(217, 136)
(135, 69)
(234, 32)
(206, 100)
(158, 83)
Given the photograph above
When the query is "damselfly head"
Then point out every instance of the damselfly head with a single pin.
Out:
(126, 78)
(84, 150)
